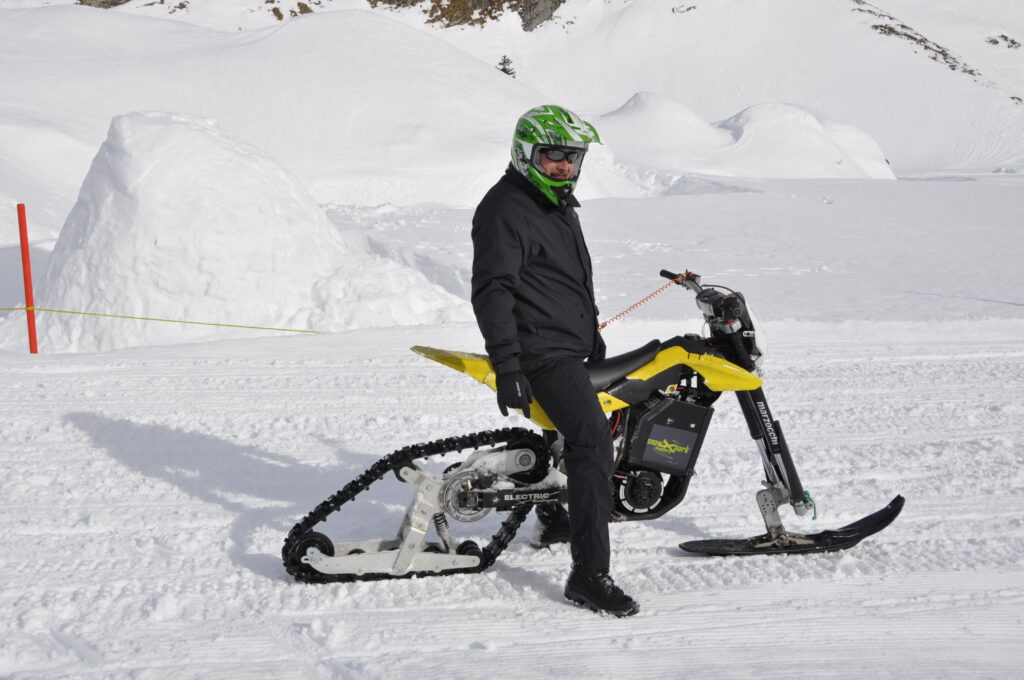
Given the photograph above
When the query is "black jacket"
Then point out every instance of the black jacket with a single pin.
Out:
(533, 290)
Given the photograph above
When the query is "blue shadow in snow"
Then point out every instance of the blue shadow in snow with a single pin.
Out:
(219, 472)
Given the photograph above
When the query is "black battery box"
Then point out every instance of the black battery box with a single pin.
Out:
(668, 437)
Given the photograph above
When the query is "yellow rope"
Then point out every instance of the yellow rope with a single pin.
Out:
(146, 318)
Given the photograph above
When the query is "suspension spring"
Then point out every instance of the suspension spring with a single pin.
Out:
(443, 531)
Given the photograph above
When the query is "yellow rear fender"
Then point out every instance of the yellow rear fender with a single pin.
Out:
(478, 367)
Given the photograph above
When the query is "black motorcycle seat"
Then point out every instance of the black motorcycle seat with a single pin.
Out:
(604, 373)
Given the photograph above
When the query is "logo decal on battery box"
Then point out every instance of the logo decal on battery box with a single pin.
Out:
(667, 448)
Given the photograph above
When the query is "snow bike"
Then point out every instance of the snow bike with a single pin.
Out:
(659, 399)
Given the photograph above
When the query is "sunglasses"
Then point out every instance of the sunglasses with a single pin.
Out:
(555, 155)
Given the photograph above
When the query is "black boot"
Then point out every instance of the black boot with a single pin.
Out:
(552, 525)
(597, 590)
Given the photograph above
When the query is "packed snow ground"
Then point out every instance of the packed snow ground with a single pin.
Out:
(147, 491)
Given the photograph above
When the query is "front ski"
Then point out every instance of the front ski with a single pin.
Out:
(787, 543)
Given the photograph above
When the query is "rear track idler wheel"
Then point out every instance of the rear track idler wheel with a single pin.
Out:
(310, 539)
(469, 548)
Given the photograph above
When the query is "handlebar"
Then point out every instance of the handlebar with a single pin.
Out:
(689, 279)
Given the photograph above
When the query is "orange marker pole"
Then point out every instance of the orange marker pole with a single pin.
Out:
(26, 268)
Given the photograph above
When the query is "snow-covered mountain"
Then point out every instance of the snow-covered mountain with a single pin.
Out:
(396, 99)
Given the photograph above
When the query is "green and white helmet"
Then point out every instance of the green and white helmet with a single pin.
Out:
(544, 127)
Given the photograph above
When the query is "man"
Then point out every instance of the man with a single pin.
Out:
(533, 296)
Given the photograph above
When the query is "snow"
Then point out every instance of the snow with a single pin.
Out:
(186, 169)
(355, 126)
(722, 57)
(155, 486)
(311, 93)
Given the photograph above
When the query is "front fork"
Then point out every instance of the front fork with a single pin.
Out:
(782, 484)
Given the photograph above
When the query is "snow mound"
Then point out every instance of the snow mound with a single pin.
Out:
(177, 219)
(652, 121)
(651, 131)
(784, 140)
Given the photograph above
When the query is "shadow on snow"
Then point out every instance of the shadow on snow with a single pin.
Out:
(259, 487)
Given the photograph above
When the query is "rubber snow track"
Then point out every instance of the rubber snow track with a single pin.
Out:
(146, 493)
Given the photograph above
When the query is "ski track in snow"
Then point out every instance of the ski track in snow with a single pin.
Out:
(147, 493)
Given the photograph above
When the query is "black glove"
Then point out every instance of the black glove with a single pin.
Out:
(514, 392)
(600, 349)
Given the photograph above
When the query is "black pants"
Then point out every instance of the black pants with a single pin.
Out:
(562, 387)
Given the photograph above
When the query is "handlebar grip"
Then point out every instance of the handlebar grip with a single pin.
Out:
(687, 280)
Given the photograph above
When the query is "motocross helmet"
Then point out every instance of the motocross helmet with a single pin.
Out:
(546, 127)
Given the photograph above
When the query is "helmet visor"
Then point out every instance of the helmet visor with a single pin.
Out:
(558, 162)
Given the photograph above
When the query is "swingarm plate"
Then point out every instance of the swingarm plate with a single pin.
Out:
(383, 562)
(417, 519)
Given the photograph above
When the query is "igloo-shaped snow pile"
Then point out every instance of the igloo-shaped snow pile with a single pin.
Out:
(177, 219)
